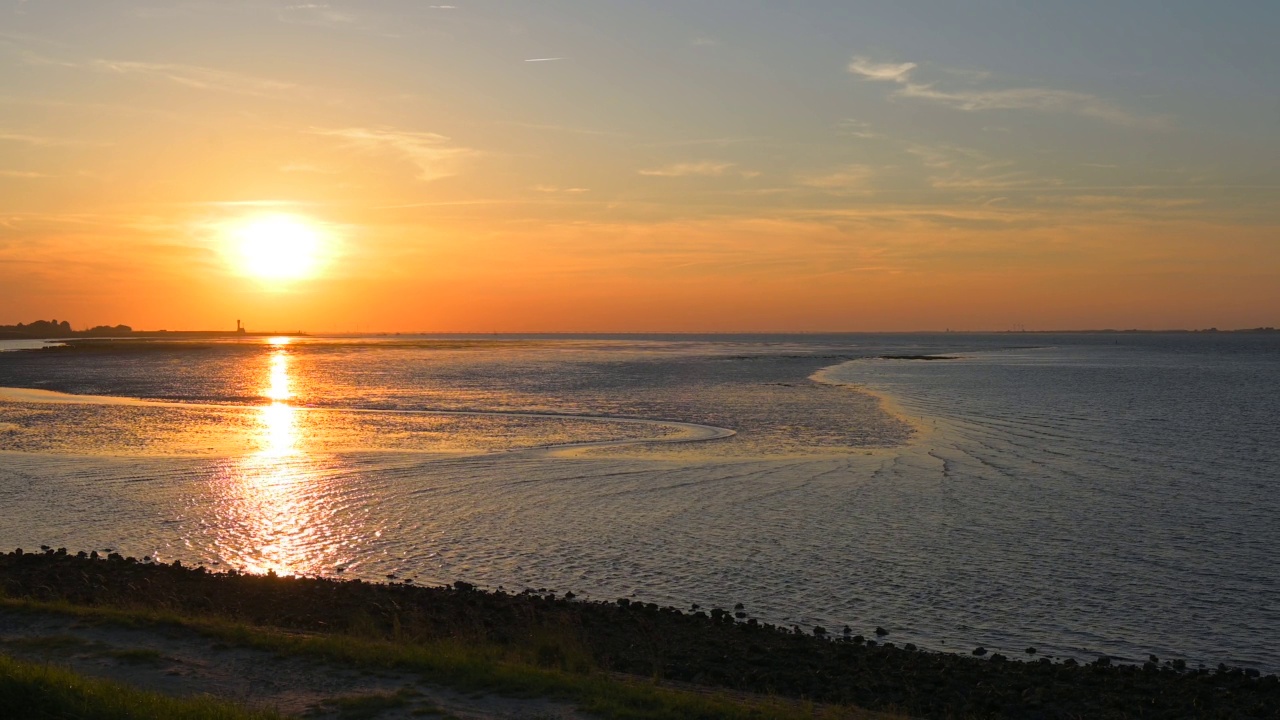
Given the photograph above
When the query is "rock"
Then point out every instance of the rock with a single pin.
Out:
(1031, 651)
(881, 631)
(979, 651)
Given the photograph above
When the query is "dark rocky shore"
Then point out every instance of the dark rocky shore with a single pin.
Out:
(716, 648)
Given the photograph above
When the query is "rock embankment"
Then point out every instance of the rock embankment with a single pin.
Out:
(718, 649)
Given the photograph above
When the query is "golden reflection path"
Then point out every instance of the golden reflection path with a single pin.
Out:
(277, 524)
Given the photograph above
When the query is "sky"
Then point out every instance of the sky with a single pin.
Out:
(640, 165)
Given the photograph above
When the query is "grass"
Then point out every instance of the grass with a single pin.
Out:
(41, 691)
(63, 644)
(369, 706)
(478, 667)
(46, 643)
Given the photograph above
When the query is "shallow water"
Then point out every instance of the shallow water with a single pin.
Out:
(1083, 494)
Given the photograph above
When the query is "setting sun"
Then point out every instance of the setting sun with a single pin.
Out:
(277, 248)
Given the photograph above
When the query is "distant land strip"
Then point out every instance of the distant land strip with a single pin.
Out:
(54, 330)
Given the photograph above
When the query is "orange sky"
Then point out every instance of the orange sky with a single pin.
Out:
(564, 168)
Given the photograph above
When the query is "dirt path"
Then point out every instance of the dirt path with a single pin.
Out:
(174, 661)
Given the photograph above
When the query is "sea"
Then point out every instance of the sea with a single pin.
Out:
(1110, 494)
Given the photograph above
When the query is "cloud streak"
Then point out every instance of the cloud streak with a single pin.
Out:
(706, 168)
(37, 140)
(1029, 98)
(846, 179)
(434, 155)
(201, 78)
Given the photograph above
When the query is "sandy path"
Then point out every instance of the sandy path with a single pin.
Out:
(179, 662)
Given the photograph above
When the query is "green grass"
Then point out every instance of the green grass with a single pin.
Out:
(369, 706)
(481, 668)
(42, 691)
(46, 643)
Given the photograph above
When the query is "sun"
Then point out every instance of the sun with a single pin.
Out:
(277, 248)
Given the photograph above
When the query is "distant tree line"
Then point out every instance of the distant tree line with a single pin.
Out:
(45, 329)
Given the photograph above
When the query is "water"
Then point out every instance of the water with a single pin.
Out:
(1083, 494)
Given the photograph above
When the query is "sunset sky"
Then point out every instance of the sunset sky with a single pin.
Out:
(640, 165)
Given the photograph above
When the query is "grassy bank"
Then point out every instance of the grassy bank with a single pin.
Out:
(607, 656)
(40, 691)
(473, 667)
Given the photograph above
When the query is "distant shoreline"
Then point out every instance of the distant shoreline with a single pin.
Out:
(8, 332)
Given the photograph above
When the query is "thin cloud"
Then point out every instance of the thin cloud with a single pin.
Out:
(856, 128)
(316, 13)
(555, 189)
(849, 177)
(705, 168)
(1031, 98)
(566, 129)
(198, 77)
(37, 140)
(966, 169)
(21, 174)
(891, 72)
(546, 59)
(434, 155)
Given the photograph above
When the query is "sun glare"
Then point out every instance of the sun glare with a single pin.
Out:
(277, 248)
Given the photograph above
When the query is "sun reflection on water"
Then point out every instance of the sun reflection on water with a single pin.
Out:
(278, 525)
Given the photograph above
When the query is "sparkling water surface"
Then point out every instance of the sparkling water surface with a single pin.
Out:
(1085, 494)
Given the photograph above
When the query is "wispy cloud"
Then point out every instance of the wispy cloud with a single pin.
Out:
(555, 189)
(705, 168)
(714, 141)
(965, 169)
(891, 72)
(198, 77)
(847, 178)
(434, 155)
(545, 59)
(565, 129)
(1028, 98)
(318, 13)
(856, 128)
(37, 140)
(22, 174)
